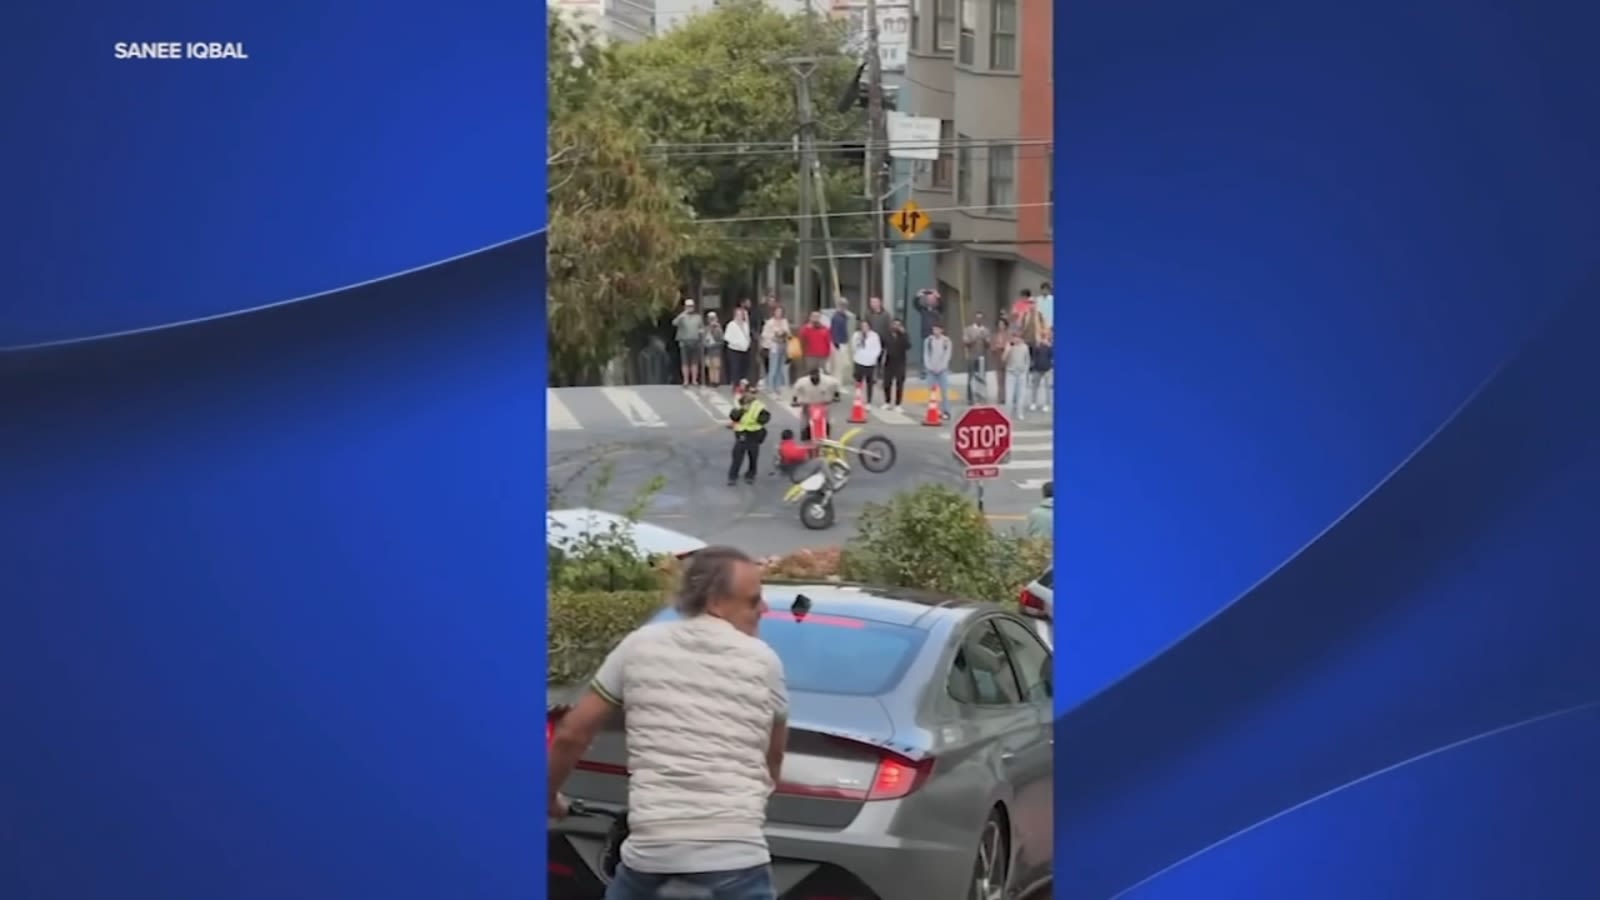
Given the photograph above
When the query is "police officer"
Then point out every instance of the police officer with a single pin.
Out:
(749, 422)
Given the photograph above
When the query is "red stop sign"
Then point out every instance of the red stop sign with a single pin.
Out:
(982, 437)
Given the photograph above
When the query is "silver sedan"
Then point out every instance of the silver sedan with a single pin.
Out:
(920, 754)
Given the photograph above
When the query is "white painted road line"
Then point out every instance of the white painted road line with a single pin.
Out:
(633, 408)
(1028, 465)
(1031, 484)
(716, 406)
(1028, 446)
(890, 417)
(556, 415)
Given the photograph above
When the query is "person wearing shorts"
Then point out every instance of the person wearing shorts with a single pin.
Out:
(689, 329)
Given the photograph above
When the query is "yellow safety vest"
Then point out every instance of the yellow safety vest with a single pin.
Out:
(751, 420)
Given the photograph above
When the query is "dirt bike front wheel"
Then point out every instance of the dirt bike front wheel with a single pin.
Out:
(816, 512)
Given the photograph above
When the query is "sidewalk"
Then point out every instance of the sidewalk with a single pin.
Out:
(917, 389)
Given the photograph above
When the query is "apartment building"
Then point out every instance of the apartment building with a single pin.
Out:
(983, 68)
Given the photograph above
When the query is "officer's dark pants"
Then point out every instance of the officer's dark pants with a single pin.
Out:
(746, 446)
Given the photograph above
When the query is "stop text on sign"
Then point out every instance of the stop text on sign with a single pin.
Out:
(979, 439)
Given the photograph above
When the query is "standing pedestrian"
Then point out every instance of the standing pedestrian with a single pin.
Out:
(1047, 308)
(1015, 361)
(975, 344)
(866, 352)
(756, 319)
(1040, 379)
(694, 825)
(775, 337)
(816, 344)
(713, 351)
(1024, 317)
(841, 327)
(878, 316)
(736, 337)
(936, 353)
(896, 351)
(999, 342)
(748, 419)
(1041, 521)
(930, 308)
(689, 328)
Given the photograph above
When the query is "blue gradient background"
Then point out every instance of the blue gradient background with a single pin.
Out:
(1328, 352)
(273, 579)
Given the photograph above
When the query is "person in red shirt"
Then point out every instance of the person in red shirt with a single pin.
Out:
(816, 344)
(790, 451)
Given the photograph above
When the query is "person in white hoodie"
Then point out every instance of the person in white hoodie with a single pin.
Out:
(736, 337)
(866, 351)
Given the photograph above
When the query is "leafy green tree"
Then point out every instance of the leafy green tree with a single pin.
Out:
(619, 227)
(718, 83)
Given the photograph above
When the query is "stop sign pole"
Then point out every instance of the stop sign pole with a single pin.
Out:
(981, 440)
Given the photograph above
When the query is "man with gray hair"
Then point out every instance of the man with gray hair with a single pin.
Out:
(706, 723)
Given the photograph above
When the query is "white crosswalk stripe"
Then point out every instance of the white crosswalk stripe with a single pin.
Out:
(717, 405)
(1032, 461)
(556, 414)
(633, 407)
(671, 408)
(890, 416)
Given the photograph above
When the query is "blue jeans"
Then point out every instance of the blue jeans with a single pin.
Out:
(740, 884)
(941, 380)
(778, 369)
(1016, 393)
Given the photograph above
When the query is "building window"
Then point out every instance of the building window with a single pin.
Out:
(963, 170)
(1002, 188)
(944, 25)
(914, 37)
(968, 49)
(1003, 35)
(945, 166)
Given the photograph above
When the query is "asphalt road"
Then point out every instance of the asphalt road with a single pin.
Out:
(608, 444)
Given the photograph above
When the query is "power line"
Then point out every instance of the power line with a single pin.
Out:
(975, 152)
(976, 207)
(788, 145)
(942, 244)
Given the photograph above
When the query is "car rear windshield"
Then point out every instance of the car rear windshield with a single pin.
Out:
(1048, 579)
(837, 654)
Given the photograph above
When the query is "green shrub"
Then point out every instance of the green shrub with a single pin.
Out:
(934, 538)
(604, 560)
(585, 626)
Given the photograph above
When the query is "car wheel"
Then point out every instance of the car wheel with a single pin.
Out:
(992, 868)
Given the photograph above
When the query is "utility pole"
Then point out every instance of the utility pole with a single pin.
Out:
(802, 68)
(877, 155)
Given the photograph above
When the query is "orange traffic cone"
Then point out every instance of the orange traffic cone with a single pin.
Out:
(858, 409)
(934, 416)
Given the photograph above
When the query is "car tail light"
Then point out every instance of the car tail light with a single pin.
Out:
(584, 765)
(894, 777)
(1031, 605)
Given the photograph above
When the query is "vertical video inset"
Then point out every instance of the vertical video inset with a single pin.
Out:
(801, 438)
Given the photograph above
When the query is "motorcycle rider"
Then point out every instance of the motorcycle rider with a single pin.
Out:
(749, 423)
(818, 388)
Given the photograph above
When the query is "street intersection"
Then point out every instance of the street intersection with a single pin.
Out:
(608, 443)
